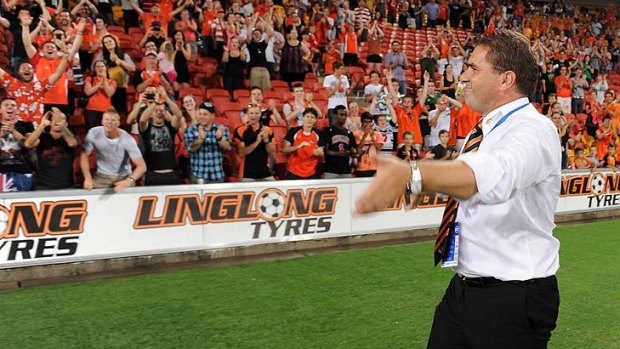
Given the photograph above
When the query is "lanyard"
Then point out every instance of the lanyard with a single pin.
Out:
(502, 120)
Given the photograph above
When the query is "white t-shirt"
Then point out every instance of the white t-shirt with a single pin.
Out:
(339, 97)
(457, 65)
(371, 89)
(443, 123)
(276, 38)
(441, 66)
(111, 159)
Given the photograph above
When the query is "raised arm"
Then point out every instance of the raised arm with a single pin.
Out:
(427, 79)
(30, 49)
(135, 7)
(59, 71)
(177, 114)
(143, 123)
(77, 42)
(248, 37)
(44, 12)
(32, 141)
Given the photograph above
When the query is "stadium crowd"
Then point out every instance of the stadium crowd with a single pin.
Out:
(109, 94)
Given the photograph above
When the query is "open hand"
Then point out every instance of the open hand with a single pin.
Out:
(378, 195)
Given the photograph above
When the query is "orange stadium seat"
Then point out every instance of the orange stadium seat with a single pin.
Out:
(240, 93)
(211, 92)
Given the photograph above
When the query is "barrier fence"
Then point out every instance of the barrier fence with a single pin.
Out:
(39, 228)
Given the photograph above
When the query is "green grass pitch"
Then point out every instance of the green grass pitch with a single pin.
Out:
(367, 298)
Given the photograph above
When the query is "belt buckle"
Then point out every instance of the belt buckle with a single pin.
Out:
(471, 282)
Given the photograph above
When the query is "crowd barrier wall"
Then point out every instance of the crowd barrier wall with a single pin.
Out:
(41, 228)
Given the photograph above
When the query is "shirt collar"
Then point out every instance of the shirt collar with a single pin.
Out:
(492, 118)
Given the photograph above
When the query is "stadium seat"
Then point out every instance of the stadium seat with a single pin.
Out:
(272, 95)
(230, 106)
(278, 83)
(322, 124)
(279, 132)
(190, 90)
(234, 119)
(244, 100)
(211, 92)
(240, 93)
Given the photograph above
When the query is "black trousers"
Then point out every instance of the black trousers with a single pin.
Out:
(491, 314)
(156, 178)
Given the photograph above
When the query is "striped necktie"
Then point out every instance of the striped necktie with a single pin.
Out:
(449, 214)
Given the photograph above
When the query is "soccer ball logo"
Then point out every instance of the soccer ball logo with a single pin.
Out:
(271, 204)
(597, 184)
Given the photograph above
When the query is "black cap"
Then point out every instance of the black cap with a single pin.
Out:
(208, 106)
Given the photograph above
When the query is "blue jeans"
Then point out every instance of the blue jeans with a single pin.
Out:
(13, 181)
(402, 87)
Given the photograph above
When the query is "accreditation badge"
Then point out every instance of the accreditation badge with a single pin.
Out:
(451, 256)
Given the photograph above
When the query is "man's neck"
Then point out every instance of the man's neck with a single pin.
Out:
(501, 101)
(113, 134)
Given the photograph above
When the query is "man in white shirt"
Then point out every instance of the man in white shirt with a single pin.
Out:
(337, 86)
(438, 119)
(456, 57)
(506, 183)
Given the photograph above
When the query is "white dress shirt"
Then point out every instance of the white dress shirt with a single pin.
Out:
(506, 227)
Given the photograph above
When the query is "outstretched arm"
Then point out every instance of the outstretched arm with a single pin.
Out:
(30, 50)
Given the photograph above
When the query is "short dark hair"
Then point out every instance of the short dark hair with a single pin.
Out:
(296, 85)
(510, 51)
(337, 65)
(255, 88)
(366, 116)
(7, 98)
(311, 111)
(339, 108)
(443, 132)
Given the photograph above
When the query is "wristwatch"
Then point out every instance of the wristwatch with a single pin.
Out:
(415, 183)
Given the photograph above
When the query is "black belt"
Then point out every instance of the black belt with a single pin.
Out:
(489, 281)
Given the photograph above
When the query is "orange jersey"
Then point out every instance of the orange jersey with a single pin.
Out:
(602, 145)
(329, 58)
(350, 43)
(562, 85)
(409, 121)
(99, 101)
(302, 162)
(368, 154)
(44, 68)
(466, 119)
